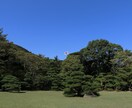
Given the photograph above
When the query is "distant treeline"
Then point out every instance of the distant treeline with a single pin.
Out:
(101, 65)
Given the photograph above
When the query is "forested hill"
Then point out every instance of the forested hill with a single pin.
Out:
(101, 65)
(31, 71)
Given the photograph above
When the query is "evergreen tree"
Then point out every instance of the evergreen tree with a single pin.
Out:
(73, 75)
(10, 83)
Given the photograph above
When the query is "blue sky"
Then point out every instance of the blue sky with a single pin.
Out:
(51, 27)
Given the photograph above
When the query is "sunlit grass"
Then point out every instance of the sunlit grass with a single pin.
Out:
(52, 99)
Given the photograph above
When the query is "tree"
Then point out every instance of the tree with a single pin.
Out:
(74, 84)
(122, 69)
(54, 74)
(91, 86)
(73, 75)
(2, 36)
(122, 59)
(97, 56)
(10, 83)
(42, 82)
(101, 81)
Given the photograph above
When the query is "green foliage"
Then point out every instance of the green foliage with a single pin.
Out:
(72, 70)
(91, 86)
(97, 56)
(54, 74)
(42, 83)
(10, 83)
(74, 84)
(2, 36)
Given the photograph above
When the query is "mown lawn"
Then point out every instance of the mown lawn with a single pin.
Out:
(52, 99)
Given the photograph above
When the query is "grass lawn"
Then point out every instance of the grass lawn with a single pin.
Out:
(52, 99)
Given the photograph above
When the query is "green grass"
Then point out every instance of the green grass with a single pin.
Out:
(52, 99)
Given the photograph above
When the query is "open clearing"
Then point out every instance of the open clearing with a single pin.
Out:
(52, 99)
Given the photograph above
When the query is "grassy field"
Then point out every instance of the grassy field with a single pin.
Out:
(51, 99)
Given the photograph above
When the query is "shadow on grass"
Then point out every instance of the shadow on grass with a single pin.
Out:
(17, 92)
(13, 91)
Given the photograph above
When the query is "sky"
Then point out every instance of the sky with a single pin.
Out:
(51, 27)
